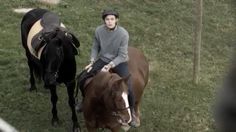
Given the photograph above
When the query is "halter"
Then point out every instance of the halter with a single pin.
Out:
(57, 70)
(115, 113)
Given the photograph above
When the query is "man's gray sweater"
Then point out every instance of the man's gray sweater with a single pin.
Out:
(110, 45)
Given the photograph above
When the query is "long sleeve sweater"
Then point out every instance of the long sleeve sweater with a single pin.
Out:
(110, 45)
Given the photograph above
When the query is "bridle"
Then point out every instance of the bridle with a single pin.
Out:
(55, 73)
(116, 113)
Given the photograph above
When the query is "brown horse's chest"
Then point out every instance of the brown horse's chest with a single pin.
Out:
(102, 122)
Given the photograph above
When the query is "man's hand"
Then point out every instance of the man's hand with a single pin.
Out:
(107, 67)
(89, 66)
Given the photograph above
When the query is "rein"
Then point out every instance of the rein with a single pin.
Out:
(116, 111)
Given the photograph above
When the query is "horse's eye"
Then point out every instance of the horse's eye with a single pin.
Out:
(120, 100)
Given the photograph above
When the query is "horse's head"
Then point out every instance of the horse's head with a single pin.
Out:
(117, 99)
(55, 51)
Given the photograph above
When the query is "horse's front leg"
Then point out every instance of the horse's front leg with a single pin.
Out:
(91, 129)
(54, 98)
(70, 90)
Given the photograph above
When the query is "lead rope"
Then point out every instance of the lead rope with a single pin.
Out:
(76, 91)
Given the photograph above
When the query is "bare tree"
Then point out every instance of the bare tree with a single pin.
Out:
(197, 39)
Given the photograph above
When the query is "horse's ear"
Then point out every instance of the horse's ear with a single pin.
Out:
(73, 39)
(126, 79)
(117, 82)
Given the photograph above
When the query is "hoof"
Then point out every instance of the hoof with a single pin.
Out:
(76, 130)
(125, 127)
(79, 107)
(76, 127)
(135, 122)
(55, 122)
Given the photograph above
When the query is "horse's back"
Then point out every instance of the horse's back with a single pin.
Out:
(139, 69)
(34, 14)
(27, 22)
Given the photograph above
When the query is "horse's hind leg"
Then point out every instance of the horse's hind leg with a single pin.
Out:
(24, 29)
(32, 80)
(70, 91)
(54, 98)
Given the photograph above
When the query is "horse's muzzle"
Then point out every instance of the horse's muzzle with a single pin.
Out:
(122, 118)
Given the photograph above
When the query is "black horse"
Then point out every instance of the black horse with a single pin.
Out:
(50, 50)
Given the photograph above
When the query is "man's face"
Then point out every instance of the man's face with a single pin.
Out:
(110, 21)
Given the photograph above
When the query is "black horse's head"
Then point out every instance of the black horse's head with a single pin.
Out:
(60, 45)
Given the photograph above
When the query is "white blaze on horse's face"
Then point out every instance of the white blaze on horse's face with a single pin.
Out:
(125, 98)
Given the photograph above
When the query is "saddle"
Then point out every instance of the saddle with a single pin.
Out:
(47, 24)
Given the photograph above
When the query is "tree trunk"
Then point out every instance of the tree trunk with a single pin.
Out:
(197, 39)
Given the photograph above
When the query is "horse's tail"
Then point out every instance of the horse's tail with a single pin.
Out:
(38, 68)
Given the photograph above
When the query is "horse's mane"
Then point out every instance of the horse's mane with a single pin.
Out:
(100, 83)
(103, 82)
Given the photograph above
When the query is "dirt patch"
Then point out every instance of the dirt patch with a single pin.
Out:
(22, 10)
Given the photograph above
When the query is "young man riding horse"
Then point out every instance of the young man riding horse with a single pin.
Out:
(110, 50)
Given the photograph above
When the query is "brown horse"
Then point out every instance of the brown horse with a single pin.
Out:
(105, 103)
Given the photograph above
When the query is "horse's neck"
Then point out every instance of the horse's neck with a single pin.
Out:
(98, 101)
(100, 112)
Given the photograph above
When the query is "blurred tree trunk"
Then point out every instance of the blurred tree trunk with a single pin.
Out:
(197, 39)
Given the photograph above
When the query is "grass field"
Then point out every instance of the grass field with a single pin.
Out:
(162, 29)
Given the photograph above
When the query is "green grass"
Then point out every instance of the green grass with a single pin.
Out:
(162, 29)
